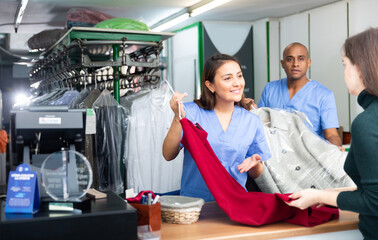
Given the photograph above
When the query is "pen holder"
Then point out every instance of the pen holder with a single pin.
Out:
(149, 215)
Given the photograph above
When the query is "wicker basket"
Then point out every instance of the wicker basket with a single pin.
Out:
(180, 210)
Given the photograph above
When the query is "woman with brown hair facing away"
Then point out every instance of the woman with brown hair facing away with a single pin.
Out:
(361, 76)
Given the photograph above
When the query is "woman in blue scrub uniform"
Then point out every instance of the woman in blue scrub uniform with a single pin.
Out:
(235, 134)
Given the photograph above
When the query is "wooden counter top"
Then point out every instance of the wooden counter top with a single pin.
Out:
(215, 224)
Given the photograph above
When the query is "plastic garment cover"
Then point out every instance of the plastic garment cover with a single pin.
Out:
(128, 99)
(149, 122)
(300, 158)
(110, 129)
(90, 149)
(123, 23)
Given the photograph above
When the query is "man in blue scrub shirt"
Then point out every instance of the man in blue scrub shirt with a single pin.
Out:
(297, 92)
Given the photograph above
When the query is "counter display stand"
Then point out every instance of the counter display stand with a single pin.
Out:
(108, 218)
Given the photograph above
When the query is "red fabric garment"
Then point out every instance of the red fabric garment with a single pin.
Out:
(138, 198)
(251, 208)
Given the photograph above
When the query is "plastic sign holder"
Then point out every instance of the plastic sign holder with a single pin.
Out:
(22, 193)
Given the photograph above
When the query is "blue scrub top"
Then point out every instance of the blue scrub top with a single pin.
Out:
(243, 138)
(313, 99)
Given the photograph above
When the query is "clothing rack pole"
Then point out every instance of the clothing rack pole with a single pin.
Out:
(116, 74)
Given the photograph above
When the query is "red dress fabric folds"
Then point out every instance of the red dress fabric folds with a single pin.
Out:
(251, 208)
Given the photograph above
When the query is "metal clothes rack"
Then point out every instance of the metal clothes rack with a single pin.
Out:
(90, 55)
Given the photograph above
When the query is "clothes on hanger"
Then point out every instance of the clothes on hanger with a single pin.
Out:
(90, 99)
(149, 121)
(79, 98)
(128, 99)
(300, 158)
(108, 148)
(66, 99)
(47, 98)
(90, 149)
(110, 123)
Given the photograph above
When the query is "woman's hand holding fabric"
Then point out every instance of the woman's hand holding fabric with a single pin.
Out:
(305, 198)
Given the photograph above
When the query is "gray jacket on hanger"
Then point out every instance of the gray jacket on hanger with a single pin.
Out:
(300, 158)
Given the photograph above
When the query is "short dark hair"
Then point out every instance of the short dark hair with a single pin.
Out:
(362, 51)
(207, 99)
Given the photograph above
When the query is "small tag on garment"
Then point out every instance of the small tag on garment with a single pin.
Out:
(129, 193)
(90, 125)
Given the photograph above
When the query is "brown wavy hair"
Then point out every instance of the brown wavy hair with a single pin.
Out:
(362, 51)
(207, 99)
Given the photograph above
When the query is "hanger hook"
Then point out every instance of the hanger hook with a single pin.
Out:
(95, 79)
